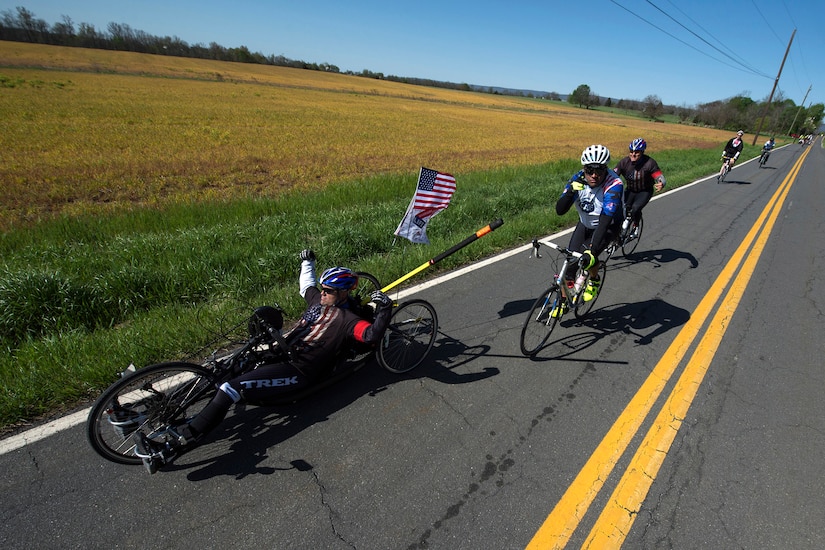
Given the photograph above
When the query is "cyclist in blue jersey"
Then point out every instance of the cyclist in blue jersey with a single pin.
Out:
(766, 151)
(596, 192)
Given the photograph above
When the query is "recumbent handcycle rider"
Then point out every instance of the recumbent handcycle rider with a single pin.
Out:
(331, 321)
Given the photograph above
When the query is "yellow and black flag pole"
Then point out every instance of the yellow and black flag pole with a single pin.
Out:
(474, 237)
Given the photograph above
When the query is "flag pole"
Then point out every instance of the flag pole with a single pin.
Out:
(452, 250)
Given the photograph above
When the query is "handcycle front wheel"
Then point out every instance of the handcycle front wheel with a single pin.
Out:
(631, 241)
(148, 400)
(540, 322)
(409, 337)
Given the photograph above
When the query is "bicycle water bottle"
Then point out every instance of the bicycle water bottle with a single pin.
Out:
(580, 281)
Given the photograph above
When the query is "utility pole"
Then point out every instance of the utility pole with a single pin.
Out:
(775, 82)
(801, 105)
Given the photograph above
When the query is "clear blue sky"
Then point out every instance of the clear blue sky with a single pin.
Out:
(620, 48)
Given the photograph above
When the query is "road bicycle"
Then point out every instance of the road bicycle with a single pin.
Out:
(156, 397)
(724, 170)
(630, 235)
(561, 298)
(763, 158)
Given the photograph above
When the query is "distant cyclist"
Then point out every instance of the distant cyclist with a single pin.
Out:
(642, 177)
(766, 149)
(596, 190)
(733, 148)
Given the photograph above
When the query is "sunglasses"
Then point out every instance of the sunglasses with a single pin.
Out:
(328, 291)
(591, 169)
(635, 153)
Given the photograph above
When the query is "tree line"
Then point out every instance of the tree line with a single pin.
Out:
(21, 25)
(782, 116)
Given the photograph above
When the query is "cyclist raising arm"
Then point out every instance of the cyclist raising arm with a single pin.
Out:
(597, 193)
(642, 175)
(325, 327)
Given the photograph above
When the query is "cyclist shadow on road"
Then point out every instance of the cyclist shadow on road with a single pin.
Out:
(729, 181)
(642, 322)
(241, 445)
(656, 257)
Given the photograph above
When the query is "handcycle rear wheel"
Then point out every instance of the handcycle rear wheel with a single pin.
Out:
(582, 308)
(631, 241)
(409, 337)
(539, 323)
(147, 400)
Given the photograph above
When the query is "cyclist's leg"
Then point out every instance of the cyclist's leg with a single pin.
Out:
(258, 385)
(577, 240)
(612, 233)
(637, 200)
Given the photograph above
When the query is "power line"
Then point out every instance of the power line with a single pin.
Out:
(722, 44)
(768, 22)
(751, 69)
(634, 14)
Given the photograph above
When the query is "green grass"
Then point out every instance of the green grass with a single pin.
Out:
(82, 297)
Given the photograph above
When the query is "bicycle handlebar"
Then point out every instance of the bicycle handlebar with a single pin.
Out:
(537, 243)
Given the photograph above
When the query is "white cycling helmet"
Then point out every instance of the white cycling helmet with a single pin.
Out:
(596, 154)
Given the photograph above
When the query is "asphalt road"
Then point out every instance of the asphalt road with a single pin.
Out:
(684, 412)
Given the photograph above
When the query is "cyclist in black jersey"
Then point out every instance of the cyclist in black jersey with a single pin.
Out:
(326, 326)
(642, 177)
(733, 148)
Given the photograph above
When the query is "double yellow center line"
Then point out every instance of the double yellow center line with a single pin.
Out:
(616, 519)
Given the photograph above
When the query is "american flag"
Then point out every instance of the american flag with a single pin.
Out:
(432, 195)
(433, 192)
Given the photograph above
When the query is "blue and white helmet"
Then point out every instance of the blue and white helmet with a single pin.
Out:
(339, 278)
(638, 144)
(596, 154)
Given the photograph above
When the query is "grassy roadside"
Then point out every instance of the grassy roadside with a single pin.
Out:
(82, 297)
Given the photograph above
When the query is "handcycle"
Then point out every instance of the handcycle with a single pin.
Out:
(156, 397)
(763, 158)
(559, 299)
(723, 171)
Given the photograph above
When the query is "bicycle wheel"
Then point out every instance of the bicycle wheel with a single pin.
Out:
(148, 400)
(633, 236)
(409, 337)
(539, 323)
(582, 307)
(367, 284)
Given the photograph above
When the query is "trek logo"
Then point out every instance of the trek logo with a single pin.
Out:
(271, 383)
